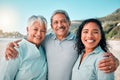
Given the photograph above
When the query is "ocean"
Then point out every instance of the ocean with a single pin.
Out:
(114, 48)
(3, 44)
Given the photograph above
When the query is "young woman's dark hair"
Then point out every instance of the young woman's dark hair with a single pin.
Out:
(79, 43)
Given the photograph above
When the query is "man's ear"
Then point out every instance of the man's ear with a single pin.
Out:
(69, 23)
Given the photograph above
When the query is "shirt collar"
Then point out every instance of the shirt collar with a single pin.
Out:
(29, 43)
(95, 51)
(69, 37)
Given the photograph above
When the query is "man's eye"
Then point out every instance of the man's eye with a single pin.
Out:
(64, 21)
(55, 22)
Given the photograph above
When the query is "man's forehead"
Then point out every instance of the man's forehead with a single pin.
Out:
(59, 15)
(57, 19)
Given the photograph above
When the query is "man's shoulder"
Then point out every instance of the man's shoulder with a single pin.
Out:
(50, 35)
(71, 36)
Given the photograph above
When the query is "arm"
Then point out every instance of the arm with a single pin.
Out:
(8, 69)
(10, 52)
(109, 64)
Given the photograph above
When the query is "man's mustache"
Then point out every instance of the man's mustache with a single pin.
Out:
(61, 27)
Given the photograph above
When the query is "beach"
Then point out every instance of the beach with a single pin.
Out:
(3, 44)
(114, 48)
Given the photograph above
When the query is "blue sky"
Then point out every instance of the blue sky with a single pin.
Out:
(14, 13)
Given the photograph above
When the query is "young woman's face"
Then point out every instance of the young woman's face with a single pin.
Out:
(36, 33)
(90, 35)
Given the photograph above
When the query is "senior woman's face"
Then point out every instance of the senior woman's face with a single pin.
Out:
(90, 35)
(36, 33)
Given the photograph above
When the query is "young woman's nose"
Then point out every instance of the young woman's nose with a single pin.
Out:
(90, 34)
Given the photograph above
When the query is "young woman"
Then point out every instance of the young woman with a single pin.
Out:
(91, 45)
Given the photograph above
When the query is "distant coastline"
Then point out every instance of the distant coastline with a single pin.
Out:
(11, 34)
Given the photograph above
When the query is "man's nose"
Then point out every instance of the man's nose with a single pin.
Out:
(60, 24)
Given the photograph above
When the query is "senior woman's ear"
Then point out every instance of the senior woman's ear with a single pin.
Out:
(27, 29)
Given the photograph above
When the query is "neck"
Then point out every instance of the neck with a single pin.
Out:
(62, 37)
(87, 51)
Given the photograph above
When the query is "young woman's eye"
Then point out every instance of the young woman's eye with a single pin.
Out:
(95, 32)
(85, 32)
(35, 29)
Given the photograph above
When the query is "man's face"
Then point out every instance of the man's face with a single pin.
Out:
(60, 25)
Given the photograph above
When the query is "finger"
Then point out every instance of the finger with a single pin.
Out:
(107, 54)
(103, 68)
(104, 61)
(107, 71)
(110, 62)
(105, 65)
(9, 56)
(10, 53)
(15, 44)
(17, 41)
(6, 53)
(10, 45)
(13, 52)
(6, 57)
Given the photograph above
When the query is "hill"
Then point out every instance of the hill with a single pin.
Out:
(10, 34)
(111, 24)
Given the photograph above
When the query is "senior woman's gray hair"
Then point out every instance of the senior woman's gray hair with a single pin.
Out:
(39, 18)
(61, 12)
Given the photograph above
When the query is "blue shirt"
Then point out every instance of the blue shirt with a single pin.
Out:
(88, 69)
(30, 64)
(61, 56)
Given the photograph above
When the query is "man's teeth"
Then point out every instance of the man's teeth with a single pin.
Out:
(61, 29)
